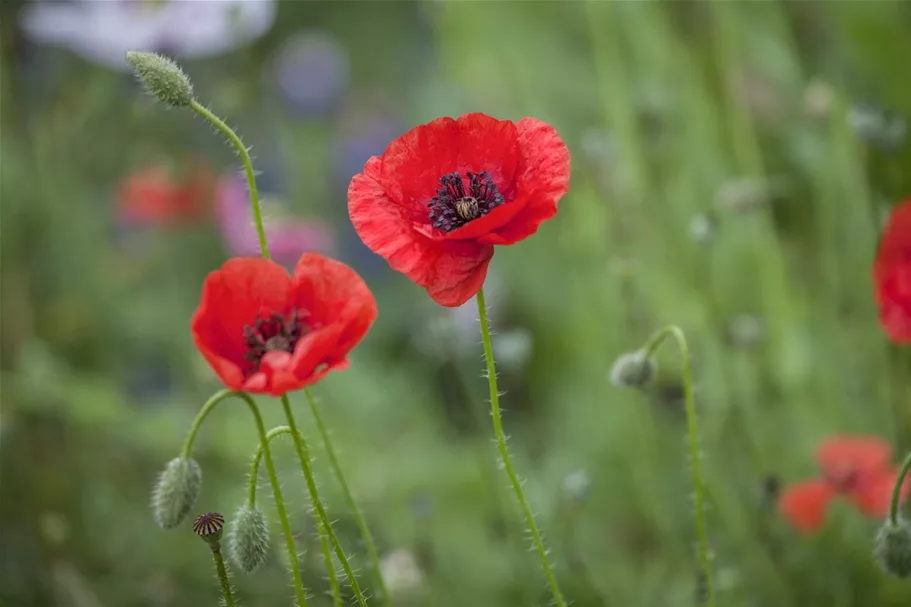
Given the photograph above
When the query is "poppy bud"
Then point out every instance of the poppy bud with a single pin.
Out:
(248, 539)
(892, 548)
(176, 491)
(161, 77)
(633, 370)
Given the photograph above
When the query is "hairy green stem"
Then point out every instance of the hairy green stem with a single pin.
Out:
(254, 465)
(222, 575)
(303, 454)
(504, 454)
(349, 497)
(273, 477)
(705, 561)
(235, 140)
(897, 490)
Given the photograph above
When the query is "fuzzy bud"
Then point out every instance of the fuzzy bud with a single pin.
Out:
(892, 548)
(161, 77)
(176, 491)
(248, 539)
(209, 526)
(633, 370)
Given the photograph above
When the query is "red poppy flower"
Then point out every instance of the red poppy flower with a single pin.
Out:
(892, 275)
(441, 195)
(152, 196)
(856, 467)
(264, 331)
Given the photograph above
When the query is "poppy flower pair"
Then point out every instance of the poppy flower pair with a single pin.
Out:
(857, 468)
(151, 196)
(433, 205)
(892, 275)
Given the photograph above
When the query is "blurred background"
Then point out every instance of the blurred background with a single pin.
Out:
(733, 164)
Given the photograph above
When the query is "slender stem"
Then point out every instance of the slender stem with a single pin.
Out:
(695, 459)
(504, 454)
(352, 503)
(273, 477)
(248, 169)
(254, 465)
(303, 454)
(897, 490)
(222, 575)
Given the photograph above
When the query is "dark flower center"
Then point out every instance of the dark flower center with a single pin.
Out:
(844, 480)
(274, 332)
(453, 207)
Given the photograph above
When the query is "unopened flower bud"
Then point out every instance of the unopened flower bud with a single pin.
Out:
(248, 539)
(209, 526)
(161, 77)
(892, 548)
(633, 370)
(176, 491)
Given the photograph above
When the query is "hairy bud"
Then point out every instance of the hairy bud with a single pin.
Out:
(176, 491)
(161, 77)
(892, 548)
(633, 370)
(248, 539)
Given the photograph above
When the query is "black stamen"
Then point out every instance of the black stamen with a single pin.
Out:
(452, 207)
(275, 332)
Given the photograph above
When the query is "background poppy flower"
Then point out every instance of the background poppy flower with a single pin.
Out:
(264, 331)
(856, 467)
(152, 196)
(441, 195)
(892, 275)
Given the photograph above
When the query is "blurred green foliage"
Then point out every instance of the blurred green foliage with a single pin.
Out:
(717, 184)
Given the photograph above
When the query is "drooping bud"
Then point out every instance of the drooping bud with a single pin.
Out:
(209, 526)
(892, 548)
(176, 491)
(633, 370)
(161, 77)
(248, 539)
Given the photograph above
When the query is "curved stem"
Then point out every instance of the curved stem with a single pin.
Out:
(504, 453)
(233, 138)
(352, 503)
(695, 460)
(222, 575)
(254, 465)
(897, 490)
(273, 477)
(303, 454)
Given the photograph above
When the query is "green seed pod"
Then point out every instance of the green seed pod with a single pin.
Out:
(892, 548)
(248, 539)
(633, 370)
(176, 491)
(161, 77)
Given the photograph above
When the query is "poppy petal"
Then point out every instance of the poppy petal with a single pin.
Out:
(804, 504)
(873, 497)
(892, 275)
(841, 457)
(491, 145)
(232, 298)
(451, 272)
(411, 166)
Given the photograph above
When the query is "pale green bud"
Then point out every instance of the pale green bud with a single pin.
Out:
(161, 77)
(633, 370)
(248, 539)
(176, 491)
(892, 548)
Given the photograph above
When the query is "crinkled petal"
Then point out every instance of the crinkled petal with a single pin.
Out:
(490, 145)
(232, 298)
(804, 504)
(892, 275)
(411, 167)
(451, 272)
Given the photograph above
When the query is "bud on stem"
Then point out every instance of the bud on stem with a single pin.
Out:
(161, 77)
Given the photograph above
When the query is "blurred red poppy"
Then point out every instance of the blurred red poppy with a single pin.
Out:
(892, 275)
(152, 196)
(856, 467)
(264, 331)
(444, 193)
